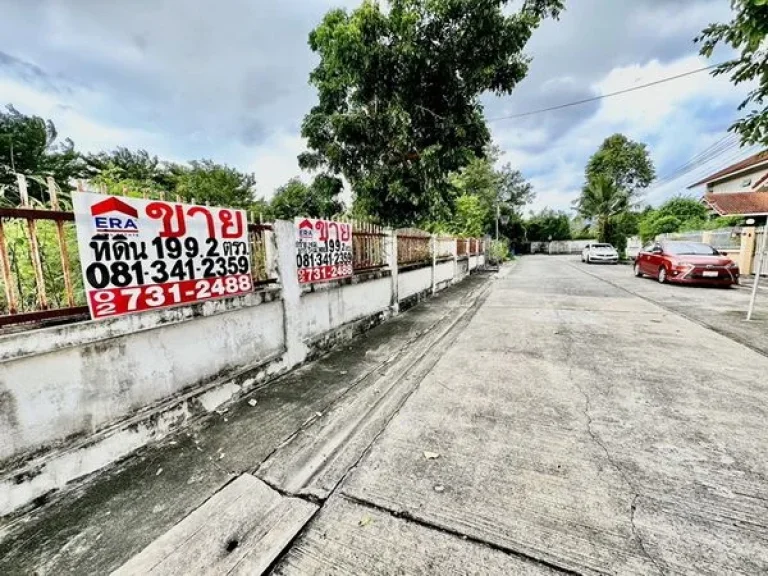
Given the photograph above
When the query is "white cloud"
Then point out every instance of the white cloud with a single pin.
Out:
(275, 161)
(72, 118)
(676, 119)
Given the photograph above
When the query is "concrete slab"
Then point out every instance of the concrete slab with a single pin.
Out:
(722, 310)
(240, 530)
(314, 460)
(599, 438)
(347, 538)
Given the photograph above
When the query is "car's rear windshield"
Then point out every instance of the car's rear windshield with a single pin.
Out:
(601, 246)
(691, 248)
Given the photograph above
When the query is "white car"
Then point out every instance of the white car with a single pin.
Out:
(599, 253)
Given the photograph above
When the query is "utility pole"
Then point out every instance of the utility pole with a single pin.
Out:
(498, 214)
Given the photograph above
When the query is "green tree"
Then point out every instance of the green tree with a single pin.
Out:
(548, 225)
(470, 215)
(603, 201)
(36, 153)
(123, 164)
(504, 188)
(295, 198)
(684, 208)
(399, 89)
(747, 34)
(581, 229)
(655, 223)
(626, 163)
(216, 184)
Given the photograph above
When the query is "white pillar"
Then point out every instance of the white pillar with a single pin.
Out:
(433, 245)
(285, 239)
(455, 250)
(391, 244)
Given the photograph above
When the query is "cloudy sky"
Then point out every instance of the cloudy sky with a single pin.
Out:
(227, 80)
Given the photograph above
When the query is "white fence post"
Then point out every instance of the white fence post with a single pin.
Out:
(455, 250)
(433, 245)
(391, 248)
(285, 239)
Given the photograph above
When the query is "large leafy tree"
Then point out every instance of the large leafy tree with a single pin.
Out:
(615, 175)
(548, 225)
(206, 181)
(747, 33)
(504, 189)
(36, 153)
(399, 91)
(625, 162)
(295, 198)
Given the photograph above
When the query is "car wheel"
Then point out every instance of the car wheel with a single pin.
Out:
(662, 275)
(638, 272)
(587, 260)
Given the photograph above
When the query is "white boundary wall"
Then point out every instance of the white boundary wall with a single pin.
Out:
(75, 398)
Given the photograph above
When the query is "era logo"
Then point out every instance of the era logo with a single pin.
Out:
(113, 216)
(306, 229)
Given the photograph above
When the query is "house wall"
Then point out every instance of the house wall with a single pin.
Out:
(739, 183)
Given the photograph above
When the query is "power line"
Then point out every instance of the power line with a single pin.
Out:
(739, 155)
(603, 96)
(722, 146)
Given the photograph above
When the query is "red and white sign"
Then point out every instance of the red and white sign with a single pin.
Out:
(141, 255)
(323, 250)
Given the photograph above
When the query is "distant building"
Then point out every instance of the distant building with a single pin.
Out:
(740, 189)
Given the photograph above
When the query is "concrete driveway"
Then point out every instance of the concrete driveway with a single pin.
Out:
(572, 427)
(560, 419)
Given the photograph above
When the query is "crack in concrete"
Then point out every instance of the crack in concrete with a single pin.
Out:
(405, 515)
(596, 439)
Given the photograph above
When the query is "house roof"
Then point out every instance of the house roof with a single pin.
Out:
(753, 160)
(738, 203)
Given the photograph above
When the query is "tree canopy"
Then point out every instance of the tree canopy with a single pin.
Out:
(625, 162)
(747, 34)
(491, 188)
(36, 153)
(399, 90)
(548, 225)
(318, 200)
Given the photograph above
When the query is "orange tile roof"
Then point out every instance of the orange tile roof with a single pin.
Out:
(735, 203)
(741, 165)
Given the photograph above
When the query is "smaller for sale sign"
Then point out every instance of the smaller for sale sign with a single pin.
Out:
(323, 250)
(140, 254)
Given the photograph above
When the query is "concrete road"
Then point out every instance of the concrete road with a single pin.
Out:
(560, 419)
(573, 426)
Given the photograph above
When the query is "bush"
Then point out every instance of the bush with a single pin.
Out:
(499, 251)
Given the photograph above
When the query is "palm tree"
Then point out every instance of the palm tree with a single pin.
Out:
(602, 201)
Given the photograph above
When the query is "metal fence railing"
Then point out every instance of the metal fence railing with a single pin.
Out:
(725, 239)
(722, 238)
(413, 247)
(260, 269)
(462, 248)
(368, 247)
(444, 247)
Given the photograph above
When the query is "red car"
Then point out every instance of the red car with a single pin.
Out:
(686, 263)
